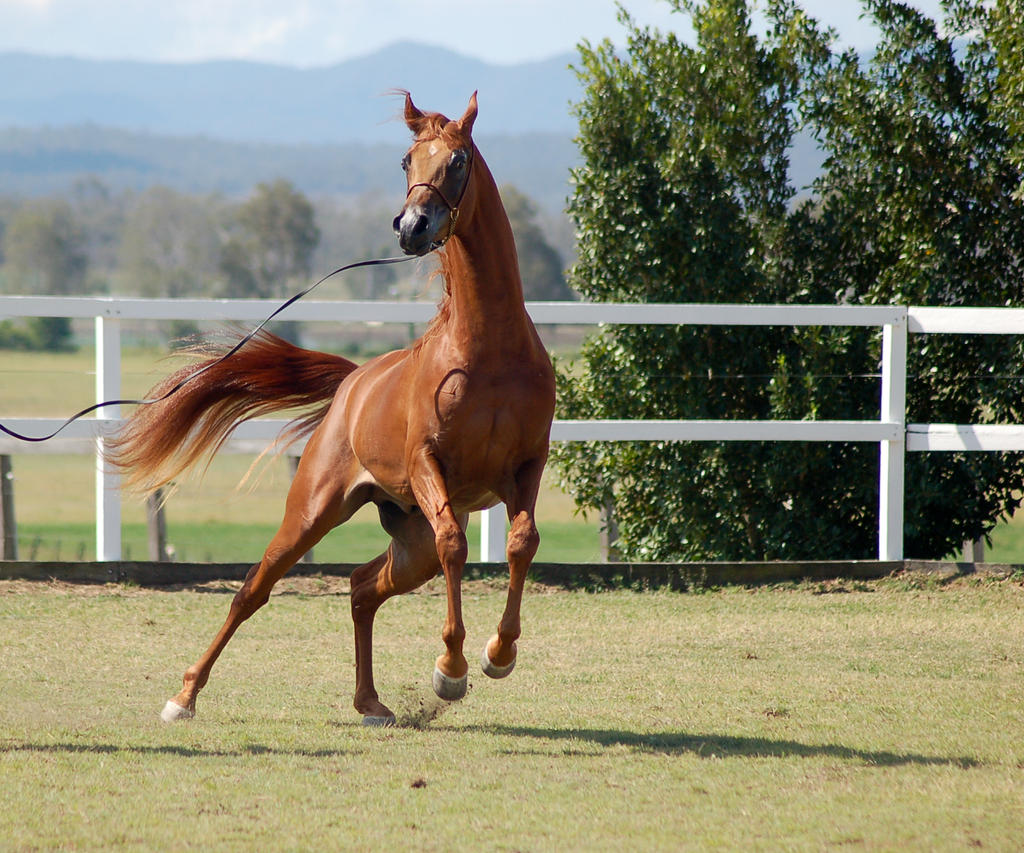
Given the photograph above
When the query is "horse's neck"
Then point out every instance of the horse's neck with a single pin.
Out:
(486, 292)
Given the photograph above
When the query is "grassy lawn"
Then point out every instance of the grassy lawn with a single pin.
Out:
(47, 384)
(354, 542)
(858, 716)
(212, 519)
(1007, 542)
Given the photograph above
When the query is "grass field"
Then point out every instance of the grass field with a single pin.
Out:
(211, 519)
(882, 716)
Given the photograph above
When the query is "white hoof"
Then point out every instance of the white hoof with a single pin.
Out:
(450, 689)
(491, 669)
(379, 722)
(173, 712)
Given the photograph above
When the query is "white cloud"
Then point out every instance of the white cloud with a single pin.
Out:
(321, 32)
(34, 5)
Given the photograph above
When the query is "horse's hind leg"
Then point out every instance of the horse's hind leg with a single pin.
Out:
(499, 655)
(410, 561)
(282, 553)
(305, 523)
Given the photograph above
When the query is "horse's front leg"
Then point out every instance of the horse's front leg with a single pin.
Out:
(499, 655)
(451, 672)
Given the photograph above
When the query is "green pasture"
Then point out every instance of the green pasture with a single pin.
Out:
(211, 518)
(354, 542)
(881, 716)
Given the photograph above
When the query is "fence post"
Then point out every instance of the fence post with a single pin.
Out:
(108, 482)
(974, 552)
(609, 534)
(492, 534)
(892, 453)
(156, 527)
(8, 525)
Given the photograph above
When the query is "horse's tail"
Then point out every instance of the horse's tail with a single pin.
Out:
(268, 374)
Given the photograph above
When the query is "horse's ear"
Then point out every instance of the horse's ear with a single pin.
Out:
(413, 117)
(466, 122)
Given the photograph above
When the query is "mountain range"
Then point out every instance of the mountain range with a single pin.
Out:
(256, 102)
(225, 126)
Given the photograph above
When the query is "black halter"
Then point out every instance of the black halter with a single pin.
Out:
(453, 209)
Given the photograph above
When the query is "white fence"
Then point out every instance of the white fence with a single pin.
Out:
(890, 431)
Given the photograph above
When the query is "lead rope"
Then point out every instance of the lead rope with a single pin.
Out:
(96, 406)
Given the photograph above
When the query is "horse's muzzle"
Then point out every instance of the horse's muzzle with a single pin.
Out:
(414, 232)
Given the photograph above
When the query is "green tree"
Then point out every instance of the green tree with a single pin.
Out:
(918, 207)
(170, 244)
(683, 197)
(1002, 26)
(540, 266)
(100, 214)
(272, 243)
(43, 250)
(374, 282)
(44, 254)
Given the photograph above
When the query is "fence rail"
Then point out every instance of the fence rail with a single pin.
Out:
(890, 431)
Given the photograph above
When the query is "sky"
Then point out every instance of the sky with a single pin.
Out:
(310, 33)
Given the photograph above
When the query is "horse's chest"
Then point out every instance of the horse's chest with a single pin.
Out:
(486, 420)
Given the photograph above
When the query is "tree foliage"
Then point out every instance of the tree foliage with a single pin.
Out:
(170, 245)
(1004, 31)
(683, 196)
(272, 244)
(540, 265)
(43, 250)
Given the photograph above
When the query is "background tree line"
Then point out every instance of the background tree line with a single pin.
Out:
(684, 196)
(165, 243)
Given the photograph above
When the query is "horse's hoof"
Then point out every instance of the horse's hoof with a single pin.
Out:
(491, 669)
(379, 722)
(450, 689)
(173, 712)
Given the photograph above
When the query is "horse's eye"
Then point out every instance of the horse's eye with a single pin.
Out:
(458, 160)
(406, 160)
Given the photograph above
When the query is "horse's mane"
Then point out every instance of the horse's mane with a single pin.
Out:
(444, 307)
(436, 126)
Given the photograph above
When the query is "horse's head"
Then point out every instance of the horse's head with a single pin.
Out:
(439, 168)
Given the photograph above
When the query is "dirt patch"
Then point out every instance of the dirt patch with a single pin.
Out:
(297, 585)
(55, 587)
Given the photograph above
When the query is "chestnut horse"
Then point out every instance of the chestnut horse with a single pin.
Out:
(455, 423)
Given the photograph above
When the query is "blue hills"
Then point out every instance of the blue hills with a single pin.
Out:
(224, 126)
(257, 102)
(334, 131)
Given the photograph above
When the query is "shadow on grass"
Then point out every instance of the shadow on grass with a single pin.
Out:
(665, 743)
(181, 751)
(718, 746)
